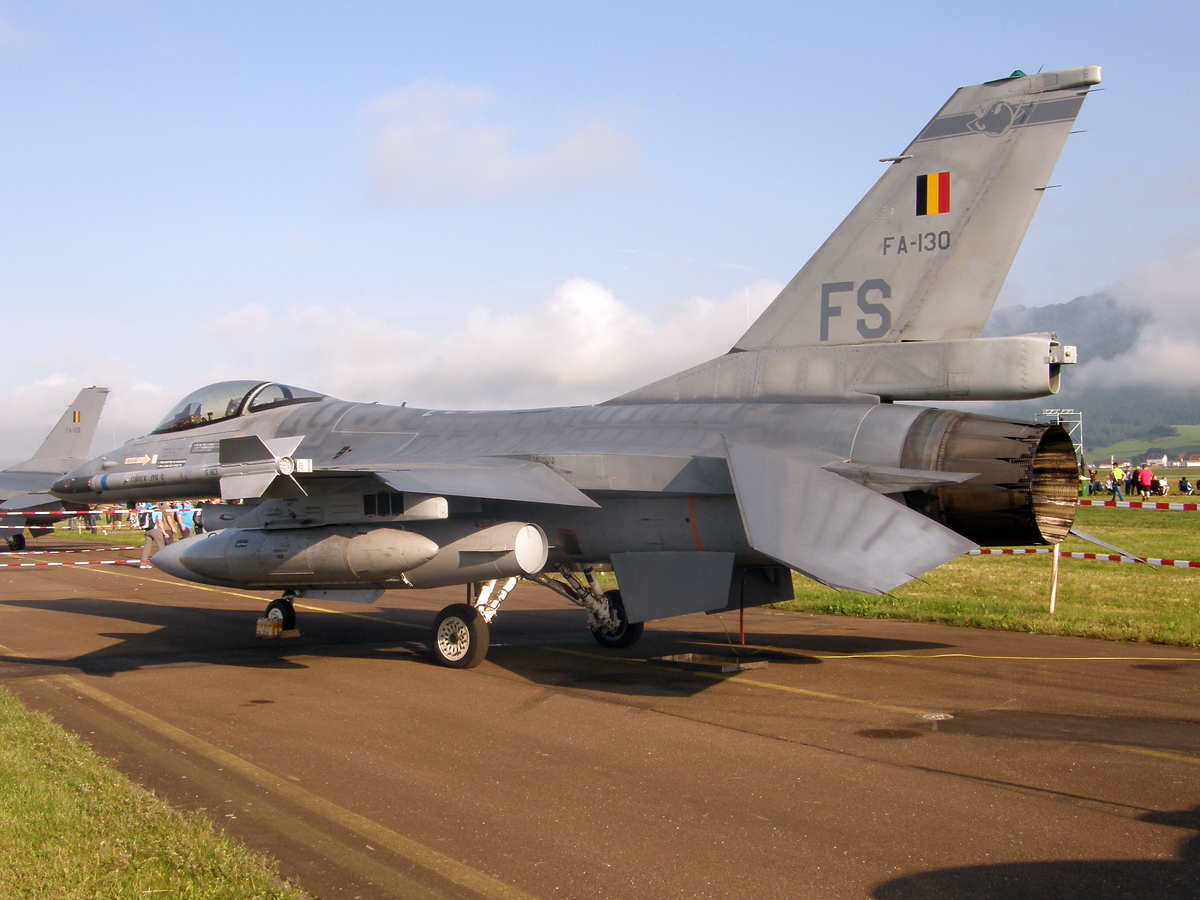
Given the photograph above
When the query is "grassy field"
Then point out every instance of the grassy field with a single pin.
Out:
(73, 828)
(122, 537)
(1186, 439)
(1114, 601)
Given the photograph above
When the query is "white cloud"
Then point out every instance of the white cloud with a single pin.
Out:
(580, 344)
(430, 146)
(1167, 352)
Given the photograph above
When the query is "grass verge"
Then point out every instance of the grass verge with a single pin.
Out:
(123, 537)
(71, 826)
(1113, 601)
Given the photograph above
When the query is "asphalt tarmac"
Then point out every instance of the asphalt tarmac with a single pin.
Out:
(868, 759)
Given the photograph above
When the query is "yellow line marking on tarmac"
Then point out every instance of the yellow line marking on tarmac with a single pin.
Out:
(816, 695)
(820, 695)
(177, 583)
(231, 593)
(450, 869)
(741, 679)
(828, 656)
(1159, 754)
(258, 811)
(1018, 658)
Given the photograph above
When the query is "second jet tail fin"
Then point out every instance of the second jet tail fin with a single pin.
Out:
(66, 446)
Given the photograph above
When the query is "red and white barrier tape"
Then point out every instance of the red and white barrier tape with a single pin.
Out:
(54, 512)
(90, 562)
(1103, 557)
(1143, 504)
(52, 552)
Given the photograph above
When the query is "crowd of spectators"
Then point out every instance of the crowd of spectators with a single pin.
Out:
(1134, 480)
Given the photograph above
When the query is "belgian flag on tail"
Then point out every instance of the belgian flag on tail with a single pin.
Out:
(75, 417)
(933, 194)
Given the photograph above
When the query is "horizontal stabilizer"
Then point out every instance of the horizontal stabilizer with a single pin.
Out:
(23, 502)
(483, 478)
(890, 480)
(830, 529)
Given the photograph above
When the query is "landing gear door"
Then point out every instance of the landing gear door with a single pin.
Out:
(672, 583)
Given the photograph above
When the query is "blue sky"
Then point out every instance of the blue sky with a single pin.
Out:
(485, 205)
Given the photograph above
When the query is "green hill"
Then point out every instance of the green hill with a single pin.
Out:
(1186, 440)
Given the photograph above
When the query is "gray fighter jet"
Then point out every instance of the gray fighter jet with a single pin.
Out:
(703, 491)
(25, 487)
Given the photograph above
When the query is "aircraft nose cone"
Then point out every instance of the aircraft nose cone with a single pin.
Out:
(69, 485)
(169, 559)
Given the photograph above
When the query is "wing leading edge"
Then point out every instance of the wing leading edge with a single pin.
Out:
(488, 479)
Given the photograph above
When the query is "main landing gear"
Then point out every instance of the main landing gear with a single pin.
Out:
(607, 618)
(283, 611)
(619, 632)
(460, 631)
(16, 542)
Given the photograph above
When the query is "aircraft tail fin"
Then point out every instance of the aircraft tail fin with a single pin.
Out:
(67, 444)
(924, 253)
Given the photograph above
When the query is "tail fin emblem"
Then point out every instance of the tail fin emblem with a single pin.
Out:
(75, 417)
(933, 194)
(998, 118)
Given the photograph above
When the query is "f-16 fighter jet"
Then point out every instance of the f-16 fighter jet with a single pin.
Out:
(704, 491)
(25, 487)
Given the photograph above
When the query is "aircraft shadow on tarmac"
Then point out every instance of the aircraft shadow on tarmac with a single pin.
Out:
(1100, 879)
(180, 635)
(546, 647)
(636, 674)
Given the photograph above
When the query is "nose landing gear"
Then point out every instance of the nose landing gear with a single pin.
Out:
(283, 611)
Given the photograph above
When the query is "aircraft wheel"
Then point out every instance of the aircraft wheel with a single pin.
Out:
(16, 542)
(283, 611)
(622, 633)
(460, 637)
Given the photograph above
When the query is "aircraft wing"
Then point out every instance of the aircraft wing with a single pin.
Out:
(834, 531)
(39, 501)
(484, 478)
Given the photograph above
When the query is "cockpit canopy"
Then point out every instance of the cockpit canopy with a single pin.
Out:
(227, 399)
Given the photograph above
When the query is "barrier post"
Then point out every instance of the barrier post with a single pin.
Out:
(1054, 577)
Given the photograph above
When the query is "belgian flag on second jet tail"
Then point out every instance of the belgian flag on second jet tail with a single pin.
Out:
(933, 194)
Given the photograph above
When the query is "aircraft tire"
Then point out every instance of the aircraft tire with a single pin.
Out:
(16, 542)
(626, 634)
(460, 637)
(283, 611)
